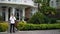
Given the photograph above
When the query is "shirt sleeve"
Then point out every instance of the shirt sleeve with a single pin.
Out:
(14, 18)
(10, 18)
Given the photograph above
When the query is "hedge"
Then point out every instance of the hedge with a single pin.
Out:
(3, 27)
(38, 26)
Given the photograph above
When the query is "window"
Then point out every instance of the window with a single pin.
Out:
(57, 2)
(3, 14)
(52, 3)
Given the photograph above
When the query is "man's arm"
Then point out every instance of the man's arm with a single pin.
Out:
(10, 18)
(14, 18)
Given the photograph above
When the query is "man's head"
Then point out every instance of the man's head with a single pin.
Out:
(12, 14)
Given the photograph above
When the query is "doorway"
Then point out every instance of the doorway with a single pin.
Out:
(3, 14)
(18, 14)
(9, 12)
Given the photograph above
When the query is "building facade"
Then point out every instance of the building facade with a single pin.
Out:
(56, 4)
(20, 8)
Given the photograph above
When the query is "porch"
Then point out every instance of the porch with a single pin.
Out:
(20, 12)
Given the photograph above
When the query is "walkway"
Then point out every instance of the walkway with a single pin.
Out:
(35, 32)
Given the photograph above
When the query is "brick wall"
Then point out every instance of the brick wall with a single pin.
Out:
(27, 12)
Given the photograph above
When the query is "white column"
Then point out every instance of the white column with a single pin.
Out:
(23, 14)
(6, 15)
(13, 10)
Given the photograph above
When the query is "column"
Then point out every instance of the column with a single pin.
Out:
(6, 14)
(23, 14)
(13, 10)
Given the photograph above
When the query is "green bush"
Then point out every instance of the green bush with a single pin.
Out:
(37, 18)
(3, 27)
(21, 25)
(38, 26)
(53, 20)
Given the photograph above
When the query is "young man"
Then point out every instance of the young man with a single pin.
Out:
(12, 23)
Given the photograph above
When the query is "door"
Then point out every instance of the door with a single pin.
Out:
(3, 14)
(9, 12)
(17, 14)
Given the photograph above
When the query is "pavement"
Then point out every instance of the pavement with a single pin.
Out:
(34, 32)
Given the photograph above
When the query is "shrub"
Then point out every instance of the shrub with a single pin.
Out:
(53, 20)
(37, 18)
(21, 25)
(3, 27)
(39, 26)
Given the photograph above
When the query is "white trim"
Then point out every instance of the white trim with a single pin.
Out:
(6, 14)
(13, 10)
(23, 14)
(19, 15)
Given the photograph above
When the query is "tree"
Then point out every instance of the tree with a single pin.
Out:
(39, 2)
(42, 2)
(37, 18)
(46, 10)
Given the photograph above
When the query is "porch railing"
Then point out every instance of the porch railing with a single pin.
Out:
(26, 2)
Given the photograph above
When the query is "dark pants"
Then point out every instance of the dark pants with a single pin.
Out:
(12, 28)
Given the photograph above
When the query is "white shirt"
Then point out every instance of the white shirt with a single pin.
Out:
(12, 20)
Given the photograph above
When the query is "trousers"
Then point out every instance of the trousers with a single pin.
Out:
(12, 28)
